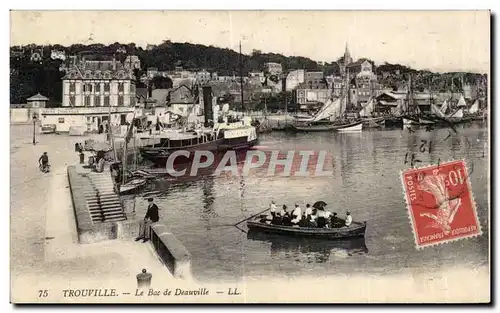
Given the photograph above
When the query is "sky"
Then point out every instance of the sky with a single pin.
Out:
(435, 40)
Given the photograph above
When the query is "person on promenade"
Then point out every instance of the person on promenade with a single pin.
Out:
(150, 218)
(44, 161)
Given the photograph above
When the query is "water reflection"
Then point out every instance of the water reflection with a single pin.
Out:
(312, 249)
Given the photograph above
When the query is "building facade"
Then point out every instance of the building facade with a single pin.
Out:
(273, 68)
(315, 80)
(305, 96)
(294, 79)
(98, 84)
(366, 83)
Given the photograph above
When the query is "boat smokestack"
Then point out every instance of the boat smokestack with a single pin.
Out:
(207, 104)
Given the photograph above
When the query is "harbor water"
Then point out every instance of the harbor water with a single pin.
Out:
(365, 180)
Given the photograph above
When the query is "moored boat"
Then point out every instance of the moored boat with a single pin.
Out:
(357, 229)
(353, 127)
(132, 185)
(374, 122)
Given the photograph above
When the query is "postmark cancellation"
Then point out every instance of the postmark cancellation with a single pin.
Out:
(440, 203)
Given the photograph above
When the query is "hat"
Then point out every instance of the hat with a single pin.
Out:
(150, 199)
(347, 212)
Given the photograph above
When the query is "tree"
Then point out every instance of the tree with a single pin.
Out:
(160, 82)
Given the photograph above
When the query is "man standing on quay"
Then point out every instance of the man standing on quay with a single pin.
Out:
(150, 218)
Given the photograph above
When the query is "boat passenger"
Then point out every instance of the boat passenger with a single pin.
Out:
(303, 221)
(308, 211)
(321, 219)
(311, 221)
(272, 207)
(336, 222)
(348, 219)
(286, 216)
(296, 214)
(277, 219)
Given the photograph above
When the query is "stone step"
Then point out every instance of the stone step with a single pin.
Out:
(102, 187)
(106, 213)
(106, 209)
(104, 200)
(102, 194)
(102, 184)
(116, 206)
(106, 216)
(101, 181)
(114, 219)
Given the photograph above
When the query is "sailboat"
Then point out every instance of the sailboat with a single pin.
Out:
(411, 112)
(129, 184)
(366, 112)
(265, 126)
(329, 117)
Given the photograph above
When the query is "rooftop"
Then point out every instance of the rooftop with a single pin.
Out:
(38, 97)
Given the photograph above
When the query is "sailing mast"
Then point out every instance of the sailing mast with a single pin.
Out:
(241, 80)
(111, 138)
(124, 160)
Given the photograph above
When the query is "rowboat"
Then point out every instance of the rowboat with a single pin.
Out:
(132, 185)
(356, 229)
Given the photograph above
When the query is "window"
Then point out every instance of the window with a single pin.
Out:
(97, 101)
(132, 88)
(106, 101)
(72, 87)
(98, 88)
(132, 101)
(61, 120)
(120, 100)
(123, 119)
(87, 87)
(72, 100)
(120, 87)
(87, 101)
(106, 87)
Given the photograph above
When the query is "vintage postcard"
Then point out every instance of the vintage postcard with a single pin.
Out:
(250, 157)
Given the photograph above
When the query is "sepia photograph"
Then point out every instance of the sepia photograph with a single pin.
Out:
(250, 156)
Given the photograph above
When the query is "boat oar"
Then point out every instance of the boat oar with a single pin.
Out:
(249, 217)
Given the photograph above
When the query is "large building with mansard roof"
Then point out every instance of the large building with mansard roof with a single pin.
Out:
(98, 83)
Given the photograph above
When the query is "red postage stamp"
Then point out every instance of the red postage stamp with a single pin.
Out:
(440, 203)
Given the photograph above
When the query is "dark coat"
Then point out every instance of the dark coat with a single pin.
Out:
(152, 213)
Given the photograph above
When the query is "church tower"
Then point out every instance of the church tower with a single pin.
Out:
(347, 60)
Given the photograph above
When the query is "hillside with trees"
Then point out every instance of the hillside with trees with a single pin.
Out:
(28, 77)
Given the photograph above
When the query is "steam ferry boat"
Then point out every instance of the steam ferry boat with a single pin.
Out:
(221, 136)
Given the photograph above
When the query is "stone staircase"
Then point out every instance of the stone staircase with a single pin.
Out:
(102, 201)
